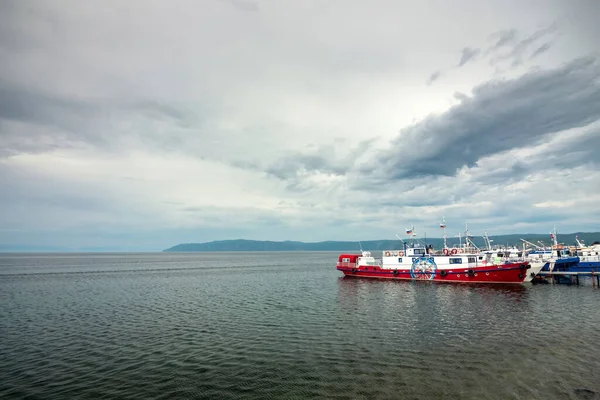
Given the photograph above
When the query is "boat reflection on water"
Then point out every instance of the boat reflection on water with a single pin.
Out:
(417, 319)
(352, 282)
(383, 298)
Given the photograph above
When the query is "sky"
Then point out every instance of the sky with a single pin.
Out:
(142, 124)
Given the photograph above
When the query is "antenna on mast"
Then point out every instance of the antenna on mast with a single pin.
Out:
(443, 226)
(554, 239)
(487, 240)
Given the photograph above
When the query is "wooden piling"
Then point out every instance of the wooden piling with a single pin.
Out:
(573, 276)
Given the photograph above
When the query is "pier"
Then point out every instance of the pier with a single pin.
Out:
(574, 276)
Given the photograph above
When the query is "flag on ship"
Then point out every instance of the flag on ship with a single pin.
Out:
(443, 223)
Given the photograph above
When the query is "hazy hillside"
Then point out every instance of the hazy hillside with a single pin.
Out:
(259, 245)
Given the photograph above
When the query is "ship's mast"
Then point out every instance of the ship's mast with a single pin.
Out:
(443, 226)
(488, 242)
(554, 239)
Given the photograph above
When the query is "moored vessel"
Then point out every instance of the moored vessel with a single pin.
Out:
(589, 257)
(561, 262)
(416, 261)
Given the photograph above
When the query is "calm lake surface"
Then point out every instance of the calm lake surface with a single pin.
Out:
(282, 325)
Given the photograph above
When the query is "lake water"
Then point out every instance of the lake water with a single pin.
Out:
(282, 325)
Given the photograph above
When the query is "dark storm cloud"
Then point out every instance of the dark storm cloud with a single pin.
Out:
(560, 155)
(468, 54)
(508, 173)
(582, 150)
(540, 50)
(498, 117)
(510, 47)
(507, 46)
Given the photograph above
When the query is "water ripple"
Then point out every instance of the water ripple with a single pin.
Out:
(240, 326)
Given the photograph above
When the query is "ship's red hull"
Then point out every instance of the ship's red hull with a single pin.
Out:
(505, 273)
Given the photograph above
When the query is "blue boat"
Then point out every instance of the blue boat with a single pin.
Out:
(555, 257)
(589, 257)
(560, 258)
(561, 261)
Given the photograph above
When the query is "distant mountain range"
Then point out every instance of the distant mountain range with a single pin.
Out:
(265, 245)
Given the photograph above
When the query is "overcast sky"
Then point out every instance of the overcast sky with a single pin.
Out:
(140, 124)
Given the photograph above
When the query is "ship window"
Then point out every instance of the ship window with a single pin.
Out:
(399, 259)
(419, 252)
(500, 254)
(480, 257)
(471, 259)
(345, 260)
(456, 261)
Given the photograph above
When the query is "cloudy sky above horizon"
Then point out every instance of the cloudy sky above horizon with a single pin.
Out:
(138, 125)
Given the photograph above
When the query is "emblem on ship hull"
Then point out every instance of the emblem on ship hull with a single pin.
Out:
(423, 268)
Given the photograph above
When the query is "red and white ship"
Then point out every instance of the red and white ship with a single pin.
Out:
(417, 262)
